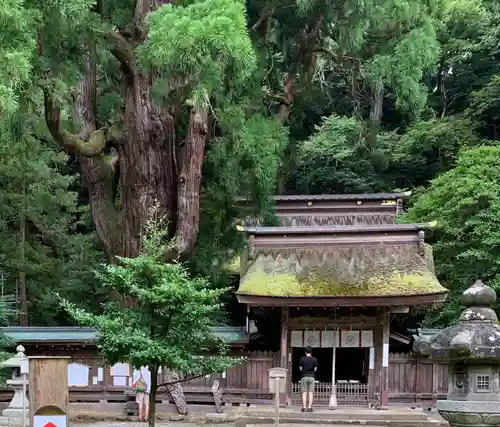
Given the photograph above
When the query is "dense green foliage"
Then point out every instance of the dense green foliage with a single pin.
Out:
(465, 203)
(8, 314)
(41, 244)
(170, 322)
(291, 96)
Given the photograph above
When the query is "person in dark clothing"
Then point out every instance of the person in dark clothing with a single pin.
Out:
(308, 366)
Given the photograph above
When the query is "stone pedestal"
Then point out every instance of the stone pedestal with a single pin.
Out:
(472, 347)
(15, 408)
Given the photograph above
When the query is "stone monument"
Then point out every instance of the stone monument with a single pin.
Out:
(15, 408)
(472, 347)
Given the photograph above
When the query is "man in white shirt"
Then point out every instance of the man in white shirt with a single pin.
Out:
(142, 385)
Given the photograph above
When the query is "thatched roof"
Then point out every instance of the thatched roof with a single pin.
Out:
(389, 264)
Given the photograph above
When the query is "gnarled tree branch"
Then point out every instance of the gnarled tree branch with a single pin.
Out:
(96, 140)
(122, 50)
(96, 172)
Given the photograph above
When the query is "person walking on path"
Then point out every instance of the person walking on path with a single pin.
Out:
(142, 389)
(308, 366)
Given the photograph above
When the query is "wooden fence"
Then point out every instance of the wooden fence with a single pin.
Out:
(415, 379)
(411, 380)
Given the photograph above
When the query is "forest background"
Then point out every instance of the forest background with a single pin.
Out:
(108, 107)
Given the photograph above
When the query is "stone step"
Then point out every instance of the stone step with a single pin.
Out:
(322, 424)
(344, 416)
(254, 421)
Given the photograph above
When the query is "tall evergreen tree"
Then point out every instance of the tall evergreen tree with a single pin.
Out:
(40, 250)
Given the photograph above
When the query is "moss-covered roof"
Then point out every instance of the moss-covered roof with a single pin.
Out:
(357, 271)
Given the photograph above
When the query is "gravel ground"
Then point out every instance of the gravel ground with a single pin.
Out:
(182, 424)
(137, 424)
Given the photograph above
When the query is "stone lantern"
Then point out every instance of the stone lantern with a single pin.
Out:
(472, 347)
(15, 408)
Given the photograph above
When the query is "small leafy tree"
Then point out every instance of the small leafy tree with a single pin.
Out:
(169, 324)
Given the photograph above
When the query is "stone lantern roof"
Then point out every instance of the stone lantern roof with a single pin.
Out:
(476, 335)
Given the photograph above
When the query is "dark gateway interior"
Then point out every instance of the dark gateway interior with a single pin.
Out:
(350, 364)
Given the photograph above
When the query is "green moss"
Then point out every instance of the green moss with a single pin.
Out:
(289, 285)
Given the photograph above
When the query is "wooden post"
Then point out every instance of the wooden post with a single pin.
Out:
(435, 380)
(277, 379)
(285, 320)
(384, 379)
(277, 400)
(290, 368)
(332, 404)
(378, 349)
(371, 374)
(48, 391)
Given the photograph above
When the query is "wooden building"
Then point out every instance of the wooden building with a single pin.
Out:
(338, 268)
(413, 380)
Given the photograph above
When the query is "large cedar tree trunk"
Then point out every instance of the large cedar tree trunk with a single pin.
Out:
(152, 171)
(146, 163)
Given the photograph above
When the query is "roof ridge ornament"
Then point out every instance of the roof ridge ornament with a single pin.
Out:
(478, 295)
(478, 300)
(476, 335)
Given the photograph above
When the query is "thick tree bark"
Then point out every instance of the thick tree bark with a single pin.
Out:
(377, 103)
(189, 180)
(288, 98)
(376, 112)
(146, 163)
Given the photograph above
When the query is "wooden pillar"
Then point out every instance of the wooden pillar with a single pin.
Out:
(377, 349)
(384, 378)
(290, 369)
(435, 382)
(371, 373)
(333, 397)
(285, 320)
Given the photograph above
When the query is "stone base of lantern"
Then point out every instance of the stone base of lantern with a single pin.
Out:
(15, 409)
(14, 412)
(470, 413)
(14, 421)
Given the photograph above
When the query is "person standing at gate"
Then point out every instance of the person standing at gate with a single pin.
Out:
(308, 366)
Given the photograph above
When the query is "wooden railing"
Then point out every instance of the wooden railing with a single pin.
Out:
(352, 394)
(348, 394)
